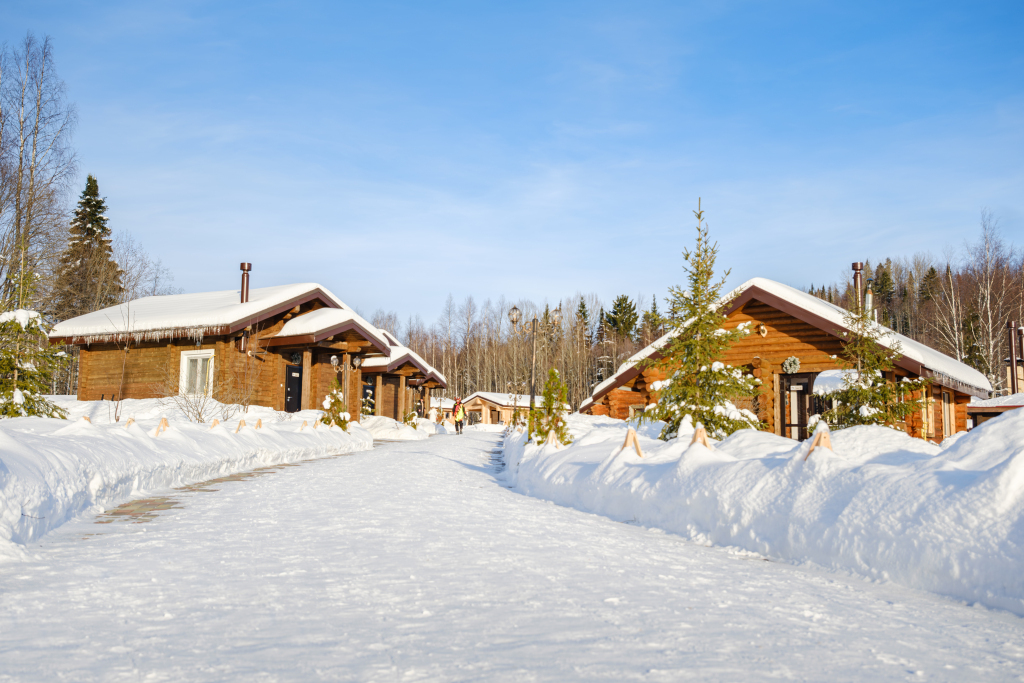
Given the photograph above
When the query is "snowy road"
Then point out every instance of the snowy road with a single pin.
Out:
(413, 562)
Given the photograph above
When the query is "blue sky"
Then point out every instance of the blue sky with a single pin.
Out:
(399, 152)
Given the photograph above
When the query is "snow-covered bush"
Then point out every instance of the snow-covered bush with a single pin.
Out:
(334, 408)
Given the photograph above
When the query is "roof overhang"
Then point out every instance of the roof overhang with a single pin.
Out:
(321, 335)
(973, 409)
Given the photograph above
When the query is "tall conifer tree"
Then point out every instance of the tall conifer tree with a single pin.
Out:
(89, 278)
(623, 316)
(701, 387)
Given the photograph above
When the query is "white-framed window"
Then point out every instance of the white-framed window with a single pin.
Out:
(196, 372)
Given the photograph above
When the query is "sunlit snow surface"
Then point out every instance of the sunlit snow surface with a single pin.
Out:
(880, 504)
(413, 562)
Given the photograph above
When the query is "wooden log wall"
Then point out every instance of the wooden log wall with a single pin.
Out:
(389, 394)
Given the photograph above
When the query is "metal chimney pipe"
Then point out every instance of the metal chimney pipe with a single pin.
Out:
(1012, 329)
(246, 267)
(857, 268)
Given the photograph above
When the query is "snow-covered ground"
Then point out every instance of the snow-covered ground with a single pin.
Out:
(881, 505)
(53, 470)
(413, 562)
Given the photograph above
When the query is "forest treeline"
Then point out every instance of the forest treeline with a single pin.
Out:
(478, 348)
(58, 257)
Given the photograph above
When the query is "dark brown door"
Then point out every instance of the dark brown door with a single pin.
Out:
(292, 388)
(795, 403)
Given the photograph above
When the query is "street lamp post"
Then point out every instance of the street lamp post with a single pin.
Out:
(514, 316)
(356, 362)
(533, 363)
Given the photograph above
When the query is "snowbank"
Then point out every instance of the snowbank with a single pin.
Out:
(480, 427)
(385, 429)
(53, 470)
(948, 519)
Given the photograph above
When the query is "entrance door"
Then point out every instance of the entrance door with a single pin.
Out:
(795, 403)
(292, 388)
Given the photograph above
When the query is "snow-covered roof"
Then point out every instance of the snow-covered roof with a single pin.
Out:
(327, 321)
(189, 315)
(999, 401)
(774, 293)
(443, 403)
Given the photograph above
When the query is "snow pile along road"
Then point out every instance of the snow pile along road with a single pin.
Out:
(948, 519)
(52, 470)
(385, 429)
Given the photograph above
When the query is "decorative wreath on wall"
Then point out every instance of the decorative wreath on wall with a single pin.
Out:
(791, 365)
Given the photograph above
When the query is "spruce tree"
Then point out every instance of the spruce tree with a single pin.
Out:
(866, 396)
(701, 387)
(884, 288)
(583, 318)
(550, 415)
(652, 320)
(623, 316)
(929, 287)
(89, 278)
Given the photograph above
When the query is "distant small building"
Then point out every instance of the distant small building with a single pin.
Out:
(489, 407)
(789, 324)
(981, 411)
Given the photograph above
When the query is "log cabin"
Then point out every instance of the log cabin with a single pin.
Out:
(786, 324)
(492, 407)
(280, 347)
(399, 381)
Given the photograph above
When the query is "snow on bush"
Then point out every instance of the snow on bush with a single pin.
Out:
(52, 470)
(947, 519)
